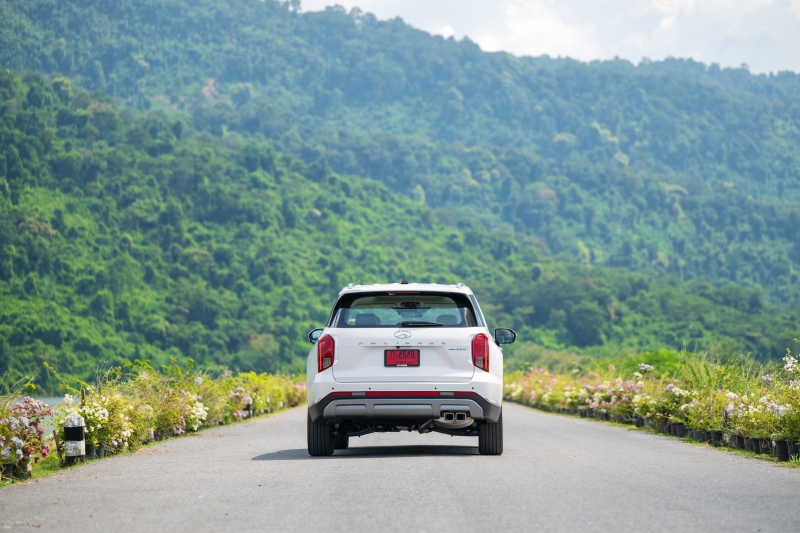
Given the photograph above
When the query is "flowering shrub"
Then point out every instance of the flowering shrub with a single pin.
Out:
(137, 404)
(741, 396)
(22, 433)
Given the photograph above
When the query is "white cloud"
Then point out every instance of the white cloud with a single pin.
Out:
(534, 28)
(445, 31)
(765, 34)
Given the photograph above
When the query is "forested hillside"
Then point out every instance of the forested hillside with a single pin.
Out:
(673, 166)
(128, 235)
(198, 179)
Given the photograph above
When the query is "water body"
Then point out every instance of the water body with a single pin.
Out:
(50, 401)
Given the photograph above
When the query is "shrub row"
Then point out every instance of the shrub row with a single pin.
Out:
(708, 397)
(136, 404)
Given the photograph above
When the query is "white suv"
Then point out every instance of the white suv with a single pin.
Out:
(405, 357)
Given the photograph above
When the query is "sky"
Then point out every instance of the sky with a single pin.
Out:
(762, 34)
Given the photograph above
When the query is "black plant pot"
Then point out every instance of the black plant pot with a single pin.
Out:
(91, 452)
(740, 442)
(8, 470)
(101, 451)
(748, 444)
(22, 471)
(716, 438)
(590, 413)
(680, 429)
(781, 450)
(766, 446)
(791, 448)
(756, 445)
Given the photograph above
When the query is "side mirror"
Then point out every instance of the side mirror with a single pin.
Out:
(314, 335)
(504, 336)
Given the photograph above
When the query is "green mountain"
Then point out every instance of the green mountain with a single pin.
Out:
(203, 201)
(673, 165)
(127, 235)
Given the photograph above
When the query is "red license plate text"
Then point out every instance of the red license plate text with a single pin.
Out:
(401, 358)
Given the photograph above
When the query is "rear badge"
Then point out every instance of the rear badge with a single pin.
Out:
(402, 334)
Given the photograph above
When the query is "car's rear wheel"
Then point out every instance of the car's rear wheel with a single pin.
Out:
(320, 438)
(341, 442)
(490, 437)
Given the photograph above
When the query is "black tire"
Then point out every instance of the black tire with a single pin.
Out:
(320, 439)
(341, 442)
(490, 437)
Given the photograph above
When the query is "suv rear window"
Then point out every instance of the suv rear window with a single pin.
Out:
(387, 310)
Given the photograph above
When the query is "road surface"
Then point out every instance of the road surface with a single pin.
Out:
(557, 474)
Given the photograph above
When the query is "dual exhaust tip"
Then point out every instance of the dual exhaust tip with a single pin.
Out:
(455, 417)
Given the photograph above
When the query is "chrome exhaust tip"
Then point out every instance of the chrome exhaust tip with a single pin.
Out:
(461, 417)
(449, 417)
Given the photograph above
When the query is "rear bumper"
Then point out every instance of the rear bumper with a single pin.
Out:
(402, 407)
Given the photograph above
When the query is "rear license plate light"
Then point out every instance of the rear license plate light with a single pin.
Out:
(401, 358)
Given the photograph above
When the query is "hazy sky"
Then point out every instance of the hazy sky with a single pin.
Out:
(764, 34)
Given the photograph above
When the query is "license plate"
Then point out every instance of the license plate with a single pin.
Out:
(401, 358)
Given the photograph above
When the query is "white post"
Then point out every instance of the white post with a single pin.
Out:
(74, 438)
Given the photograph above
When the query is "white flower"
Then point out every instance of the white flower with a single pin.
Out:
(644, 367)
(778, 411)
(791, 363)
(794, 384)
(767, 377)
(198, 380)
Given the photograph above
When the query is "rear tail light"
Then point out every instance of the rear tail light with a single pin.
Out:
(325, 348)
(480, 351)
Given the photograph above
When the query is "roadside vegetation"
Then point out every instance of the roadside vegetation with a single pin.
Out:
(131, 406)
(722, 399)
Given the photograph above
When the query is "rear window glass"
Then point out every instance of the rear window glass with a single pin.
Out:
(386, 310)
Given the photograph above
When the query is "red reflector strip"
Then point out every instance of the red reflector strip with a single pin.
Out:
(422, 394)
(403, 394)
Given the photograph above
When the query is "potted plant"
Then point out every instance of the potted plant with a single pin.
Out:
(23, 440)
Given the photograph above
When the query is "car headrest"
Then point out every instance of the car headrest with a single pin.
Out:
(448, 320)
(367, 319)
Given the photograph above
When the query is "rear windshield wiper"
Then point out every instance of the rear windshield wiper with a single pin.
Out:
(410, 324)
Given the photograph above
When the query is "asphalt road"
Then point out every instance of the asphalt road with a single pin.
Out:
(557, 474)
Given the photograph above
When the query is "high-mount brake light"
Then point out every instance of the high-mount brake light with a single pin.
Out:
(480, 351)
(325, 348)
